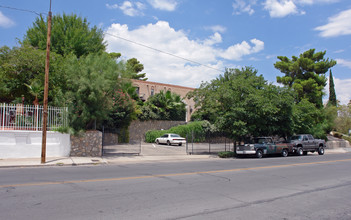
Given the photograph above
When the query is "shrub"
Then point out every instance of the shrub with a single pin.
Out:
(226, 154)
(348, 138)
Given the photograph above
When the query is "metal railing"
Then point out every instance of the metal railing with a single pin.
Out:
(29, 117)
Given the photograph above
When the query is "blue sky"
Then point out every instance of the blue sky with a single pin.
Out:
(216, 34)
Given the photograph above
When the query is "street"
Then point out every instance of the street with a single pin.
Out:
(306, 187)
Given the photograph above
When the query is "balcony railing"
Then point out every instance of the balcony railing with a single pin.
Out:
(28, 117)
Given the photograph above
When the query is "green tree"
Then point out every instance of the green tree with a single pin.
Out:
(70, 34)
(332, 95)
(243, 104)
(305, 74)
(24, 65)
(90, 82)
(163, 106)
(343, 121)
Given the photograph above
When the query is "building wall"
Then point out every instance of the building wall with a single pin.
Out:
(27, 144)
(147, 89)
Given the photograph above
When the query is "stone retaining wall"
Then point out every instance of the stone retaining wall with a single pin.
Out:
(87, 145)
(137, 129)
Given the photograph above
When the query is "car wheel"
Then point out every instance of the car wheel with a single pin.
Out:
(305, 153)
(320, 150)
(259, 154)
(180, 144)
(299, 151)
(285, 153)
(168, 143)
(157, 142)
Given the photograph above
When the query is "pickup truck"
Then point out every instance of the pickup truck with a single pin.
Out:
(263, 146)
(304, 143)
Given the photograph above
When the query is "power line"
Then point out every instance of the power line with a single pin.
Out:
(130, 41)
(170, 54)
(25, 10)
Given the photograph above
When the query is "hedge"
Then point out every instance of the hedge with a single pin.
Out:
(182, 130)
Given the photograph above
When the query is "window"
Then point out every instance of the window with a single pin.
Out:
(310, 137)
(152, 91)
(137, 90)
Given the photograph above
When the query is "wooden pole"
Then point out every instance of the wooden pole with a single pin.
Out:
(46, 90)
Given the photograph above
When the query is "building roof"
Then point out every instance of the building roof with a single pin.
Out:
(161, 84)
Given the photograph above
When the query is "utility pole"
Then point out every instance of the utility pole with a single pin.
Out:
(46, 90)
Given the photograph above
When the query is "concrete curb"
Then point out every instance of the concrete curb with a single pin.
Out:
(88, 161)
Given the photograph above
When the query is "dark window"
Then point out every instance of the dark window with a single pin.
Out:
(137, 90)
(152, 91)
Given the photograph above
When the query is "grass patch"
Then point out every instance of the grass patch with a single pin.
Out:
(226, 154)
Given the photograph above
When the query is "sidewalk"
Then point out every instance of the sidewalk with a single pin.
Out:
(75, 161)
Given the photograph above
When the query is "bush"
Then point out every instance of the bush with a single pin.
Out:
(182, 130)
(348, 138)
(226, 154)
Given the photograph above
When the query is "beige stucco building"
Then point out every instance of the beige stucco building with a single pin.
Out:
(145, 89)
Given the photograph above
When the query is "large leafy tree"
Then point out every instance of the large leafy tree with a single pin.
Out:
(22, 74)
(70, 34)
(90, 92)
(243, 104)
(305, 74)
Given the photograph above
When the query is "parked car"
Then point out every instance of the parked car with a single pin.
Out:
(170, 139)
(304, 143)
(264, 145)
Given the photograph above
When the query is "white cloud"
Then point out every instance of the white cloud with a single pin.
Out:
(241, 6)
(311, 2)
(338, 25)
(214, 39)
(216, 28)
(342, 90)
(164, 68)
(129, 8)
(343, 62)
(5, 21)
(166, 5)
(280, 8)
(237, 51)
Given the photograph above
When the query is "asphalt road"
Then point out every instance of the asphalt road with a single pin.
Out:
(307, 187)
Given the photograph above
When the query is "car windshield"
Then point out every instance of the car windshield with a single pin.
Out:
(261, 140)
(175, 135)
(296, 137)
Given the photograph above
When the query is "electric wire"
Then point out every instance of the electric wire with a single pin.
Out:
(161, 51)
(125, 39)
(25, 10)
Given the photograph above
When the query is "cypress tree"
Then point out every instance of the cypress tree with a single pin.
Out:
(332, 95)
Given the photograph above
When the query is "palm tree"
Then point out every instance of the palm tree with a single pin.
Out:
(35, 89)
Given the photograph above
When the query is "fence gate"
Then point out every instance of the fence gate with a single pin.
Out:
(111, 147)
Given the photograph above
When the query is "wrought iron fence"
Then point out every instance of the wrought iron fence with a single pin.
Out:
(208, 143)
(28, 117)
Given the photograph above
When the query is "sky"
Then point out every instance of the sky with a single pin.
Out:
(187, 42)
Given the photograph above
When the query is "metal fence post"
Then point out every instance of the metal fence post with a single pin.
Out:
(3, 117)
(186, 144)
(209, 142)
(192, 142)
